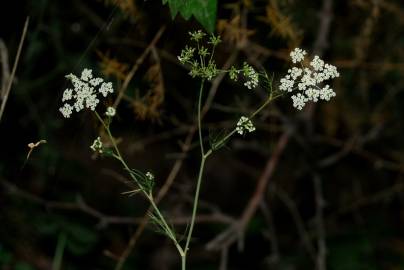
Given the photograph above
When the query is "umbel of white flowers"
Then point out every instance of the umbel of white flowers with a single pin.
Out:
(304, 81)
(97, 145)
(84, 93)
(244, 125)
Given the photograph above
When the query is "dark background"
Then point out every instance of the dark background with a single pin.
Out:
(328, 178)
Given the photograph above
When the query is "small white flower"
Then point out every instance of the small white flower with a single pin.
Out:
(66, 110)
(86, 75)
(97, 145)
(295, 72)
(150, 176)
(327, 93)
(319, 77)
(317, 63)
(306, 80)
(67, 95)
(312, 94)
(299, 101)
(106, 88)
(244, 125)
(330, 71)
(91, 102)
(287, 84)
(96, 81)
(110, 112)
(79, 104)
(297, 55)
(251, 76)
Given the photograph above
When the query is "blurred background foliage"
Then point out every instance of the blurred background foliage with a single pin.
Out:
(319, 189)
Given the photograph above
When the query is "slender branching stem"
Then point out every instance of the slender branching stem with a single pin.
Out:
(183, 262)
(231, 133)
(200, 174)
(183, 251)
(148, 195)
(196, 200)
(199, 118)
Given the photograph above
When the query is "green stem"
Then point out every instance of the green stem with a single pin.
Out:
(199, 118)
(228, 136)
(167, 228)
(57, 260)
(195, 206)
(199, 181)
(147, 195)
(183, 262)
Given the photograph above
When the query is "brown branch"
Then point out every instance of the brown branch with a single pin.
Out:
(326, 17)
(376, 160)
(136, 66)
(321, 259)
(378, 197)
(236, 231)
(224, 258)
(103, 219)
(304, 235)
(267, 213)
(319, 47)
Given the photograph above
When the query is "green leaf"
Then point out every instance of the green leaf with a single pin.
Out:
(175, 6)
(204, 11)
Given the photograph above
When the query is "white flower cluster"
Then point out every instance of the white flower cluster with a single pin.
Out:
(244, 125)
(84, 93)
(297, 55)
(97, 145)
(110, 112)
(307, 79)
(251, 76)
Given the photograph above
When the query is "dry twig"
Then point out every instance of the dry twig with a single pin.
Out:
(6, 91)
(236, 231)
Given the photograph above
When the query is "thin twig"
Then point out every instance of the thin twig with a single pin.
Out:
(235, 232)
(267, 213)
(321, 260)
(224, 258)
(5, 68)
(136, 66)
(103, 219)
(304, 235)
(11, 78)
(326, 17)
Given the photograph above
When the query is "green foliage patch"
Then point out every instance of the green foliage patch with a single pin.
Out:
(204, 11)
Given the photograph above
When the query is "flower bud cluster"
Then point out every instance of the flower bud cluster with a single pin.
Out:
(198, 58)
(110, 112)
